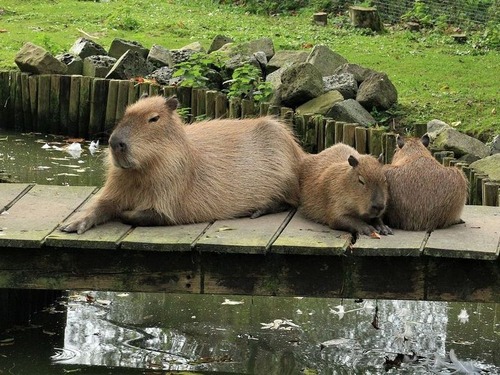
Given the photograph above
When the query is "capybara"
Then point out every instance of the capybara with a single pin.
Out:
(164, 172)
(344, 190)
(423, 194)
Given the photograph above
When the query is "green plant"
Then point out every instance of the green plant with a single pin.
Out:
(247, 83)
(122, 20)
(195, 70)
(419, 13)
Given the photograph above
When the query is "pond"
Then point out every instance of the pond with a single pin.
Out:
(97, 332)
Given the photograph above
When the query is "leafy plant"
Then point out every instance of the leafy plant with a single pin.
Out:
(122, 20)
(419, 13)
(247, 83)
(195, 70)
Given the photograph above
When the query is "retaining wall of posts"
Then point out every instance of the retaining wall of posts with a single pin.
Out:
(80, 106)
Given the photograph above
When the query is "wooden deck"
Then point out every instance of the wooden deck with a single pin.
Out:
(280, 254)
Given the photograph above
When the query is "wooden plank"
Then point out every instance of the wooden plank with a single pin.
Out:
(84, 110)
(98, 96)
(110, 116)
(18, 103)
(168, 238)
(43, 104)
(54, 104)
(33, 94)
(477, 238)
(65, 87)
(401, 243)
(74, 105)
(243, 235)
(26, 104)
(38, 213)
(302, 236)
(122, 98)
(9, 192)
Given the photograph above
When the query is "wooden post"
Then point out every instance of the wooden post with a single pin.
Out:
(274, 110)
(440, 155)
(361, 139)
(490, 193)
(84, 113)
(447, 160)
(365, 17)
(263, 108)
(133, 93)
(4, 100)
(247, 108)
(122, 98)
(339, 131)
(143, 88)
(74, 105)
(375, 141)
(194, 103)
(98, 97)
(221, 105)
(320, 18)
(210, 98)
(235, 108)
(153, 89)
(320, 132)
(389, 146)
(33, 88)
(43, 105)
(349, 134)
(287, 117)
(65, 87)
(299, 126)
(478, 188)
(169, 91)
(18, 103)
(329, 132)
(201, 102)
(311, 135)
(54, 104)
(184, 96)
(26, 103)
(419, 129)
(110, 115)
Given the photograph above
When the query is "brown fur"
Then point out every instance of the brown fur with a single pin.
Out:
(423, 194)
(162, 172)
(343, 196)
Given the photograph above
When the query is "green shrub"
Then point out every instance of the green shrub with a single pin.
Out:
(195, 70)
(247, 83)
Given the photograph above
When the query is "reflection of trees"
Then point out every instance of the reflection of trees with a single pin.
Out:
(192, 332)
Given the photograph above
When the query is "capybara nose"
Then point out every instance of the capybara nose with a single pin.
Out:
(117, 145)
(378, 208)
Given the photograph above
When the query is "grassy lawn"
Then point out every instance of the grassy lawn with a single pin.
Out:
(435, 77)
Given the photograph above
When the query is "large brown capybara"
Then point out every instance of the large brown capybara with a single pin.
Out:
(163, 172)
(344, 190)
(423, 194)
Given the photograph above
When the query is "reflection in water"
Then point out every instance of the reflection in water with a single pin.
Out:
(266, 335)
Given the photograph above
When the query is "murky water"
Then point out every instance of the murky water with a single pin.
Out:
(136, 333)
(105, 332)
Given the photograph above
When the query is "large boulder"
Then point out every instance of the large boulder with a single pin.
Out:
(34, 59)
(360, 73)
(98, 65)
(120, 46)
(84, 48)
(218, 42)
(494, 145)
(459, 143)
(434, 127)
(275, 77)
(345, 83)
(299, 84)
(74, 63)
(130, 65)
(377, 91)
(490, 165)
(264, 44)
(159, 57)
(351, 111)
(282, 58)
(325, 60)
(320, 105)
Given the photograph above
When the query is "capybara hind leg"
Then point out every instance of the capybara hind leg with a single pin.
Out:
(143, 218)
(272, 209)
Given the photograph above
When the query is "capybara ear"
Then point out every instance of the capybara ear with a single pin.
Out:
(425, 140)
(353, 162)
(400, 141)
(172, 103)
(381, 158)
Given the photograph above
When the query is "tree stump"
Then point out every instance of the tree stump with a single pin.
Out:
(365, 18)
(320, 18)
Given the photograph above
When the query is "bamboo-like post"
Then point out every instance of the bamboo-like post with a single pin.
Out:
(440, 155)
(18, 103)
(194, 103)
(221, 105)
(286, 115)
(419, 129)
(490, 193)
(299, 126)
(235, 108)
(74, 104)
(154, 89)
(447, 160)
(144, 88)
(133, 93)
(478, 186)
(54, 104)
(169, 91)
(5, 114)
(339, 131)
(210, 97)
(263, 108)
(43, 105)
(329, 132)
(375, 141)
(33, 93)
(274, 110)
(26, 104)
(389, 146)
(247, 108)
(122, 98)
(65, 87)
(320, 132)
(110, 115)
(98, 97)
(311, 135)
(349, 134)
(201, 109)
(360, 138)
(84, 113)
(184, 96)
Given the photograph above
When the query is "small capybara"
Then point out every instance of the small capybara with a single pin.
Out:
(423, 194)
(163, 172)
(344, 190)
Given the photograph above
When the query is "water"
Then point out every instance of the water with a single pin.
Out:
(137, 333)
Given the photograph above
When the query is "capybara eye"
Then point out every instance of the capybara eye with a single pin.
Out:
(154, 119)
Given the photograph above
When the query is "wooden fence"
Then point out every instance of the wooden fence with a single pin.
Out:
(88, 107)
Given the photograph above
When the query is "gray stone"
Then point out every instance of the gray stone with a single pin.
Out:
(325, 60)
(181, 55)
(97, 66)
(120, 46)
(282, 58)
(494, 145)
(490, 165)
(195, 46)
(162, 75)
(435, 126)
(468, 158)
(377, 91)
(264, 44)
(459, 143)
(299, 84)
(130, 65)
(34, 59)
(218, 42)
(160, 57)
(320, 105)
(74, 63)
(360, 73)
(275, 77)
(85, 48)
(345, 83)
(351, 111)
(257, 59)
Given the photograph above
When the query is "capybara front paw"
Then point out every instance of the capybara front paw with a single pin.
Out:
(79, 226)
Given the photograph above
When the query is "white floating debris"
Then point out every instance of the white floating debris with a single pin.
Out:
(41, 168)
(230, 302)
(75, 146)
(46, 146)
(93, 146)
(334, 342)
(463, 317)
(340, 311)
(281, 324)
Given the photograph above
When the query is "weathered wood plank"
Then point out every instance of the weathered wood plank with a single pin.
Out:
(477, 238)
(38, 212)
(9, 192)
(302, 236)
(243, 235)
(401, 243)
(173, 238)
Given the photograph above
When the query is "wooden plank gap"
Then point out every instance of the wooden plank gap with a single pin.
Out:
(20, 195)
(280, 229)
(91, 195)
(195, 241)
(424, 242)
(122, 237)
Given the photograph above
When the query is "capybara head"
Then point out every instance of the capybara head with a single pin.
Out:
(411, 147)
(148, 127)
(367, 186)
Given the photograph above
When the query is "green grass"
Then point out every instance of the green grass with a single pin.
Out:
(435, 77)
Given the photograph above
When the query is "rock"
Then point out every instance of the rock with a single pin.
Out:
(320, 105)
(351, 111)
(34, 59)
(468, 158)
(377, 91)
(345, 83)
(264, 44)
(195, 46)
(459, 143)
(218, 42)
(181, 55)
(495, 145)
(120, 46)
(97, 66)
(130, 65)
(490, 165)
(360, 73)
(258, 59)
(74, 63)
(160, 57)
(281, 58)
(275, 77)
(162, 75)
(325, 60)
(84, 48)
(299, 84)
(436, 126)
